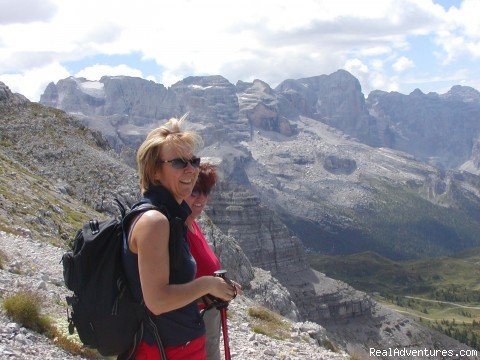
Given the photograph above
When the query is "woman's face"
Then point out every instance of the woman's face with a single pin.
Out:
(197, 201)
(179, 182)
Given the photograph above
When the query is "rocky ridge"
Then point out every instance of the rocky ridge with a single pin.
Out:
(355, 184)
(126, 108)
(437, 129)
(339, 308)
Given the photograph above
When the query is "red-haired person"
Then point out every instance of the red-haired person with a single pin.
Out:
(207, 261)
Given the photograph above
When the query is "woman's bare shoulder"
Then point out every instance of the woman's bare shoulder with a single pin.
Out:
(151, 220)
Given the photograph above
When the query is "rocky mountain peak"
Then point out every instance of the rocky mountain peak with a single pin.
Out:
(264, 108)
(210, 80)
(5, 92)
(7, 96)
(417, 92)
(465, 94)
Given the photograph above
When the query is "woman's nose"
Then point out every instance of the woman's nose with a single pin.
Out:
(190, 168)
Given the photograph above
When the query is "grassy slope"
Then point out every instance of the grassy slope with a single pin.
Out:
(32, 203)
(443, 293)
(30, 197)
(371, 272)
(399, 224)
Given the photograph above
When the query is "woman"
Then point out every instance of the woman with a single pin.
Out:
(157, 261)
(207, 262)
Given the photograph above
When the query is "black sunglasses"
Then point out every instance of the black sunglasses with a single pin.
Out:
(197, 193)
(179, 163)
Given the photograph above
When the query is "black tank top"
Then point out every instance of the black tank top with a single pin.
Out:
(182, 325)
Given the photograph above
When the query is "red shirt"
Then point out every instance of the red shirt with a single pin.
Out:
(207, 261)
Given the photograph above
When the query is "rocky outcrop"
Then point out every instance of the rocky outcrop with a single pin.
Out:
(336, 100)
(5, 92)
(473, 164)
(269, 246)
(464, 94)
(337, 165)
(8, 98)
(211, 101)
(476, 153)
(264, 108)
(125, 109)
(230, 254)
(336, 210)
(269, 292)
(265, 240)
(117, 95)
(437, 129)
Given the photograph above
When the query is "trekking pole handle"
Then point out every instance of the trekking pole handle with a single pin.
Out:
(223, 274)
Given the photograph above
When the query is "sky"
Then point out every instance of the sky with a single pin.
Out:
(390, 45)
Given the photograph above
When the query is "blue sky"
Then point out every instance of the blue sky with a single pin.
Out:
(390, 45)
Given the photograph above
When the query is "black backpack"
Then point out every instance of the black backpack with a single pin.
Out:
(103, 309)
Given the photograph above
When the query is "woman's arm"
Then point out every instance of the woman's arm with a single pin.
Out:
(150, 241)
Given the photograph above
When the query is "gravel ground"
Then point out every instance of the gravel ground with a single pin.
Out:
(33, 265)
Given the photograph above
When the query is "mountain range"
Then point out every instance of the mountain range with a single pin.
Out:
(393, 173)
(57, 173)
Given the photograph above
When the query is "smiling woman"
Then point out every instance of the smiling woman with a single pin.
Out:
(157, 261)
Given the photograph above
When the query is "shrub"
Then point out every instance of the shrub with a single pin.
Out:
(327, 344)
(3, 258)
(355, 356)
(264, 315)
(268, 323)
(24, 308)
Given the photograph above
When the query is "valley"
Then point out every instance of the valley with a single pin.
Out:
(442, 293)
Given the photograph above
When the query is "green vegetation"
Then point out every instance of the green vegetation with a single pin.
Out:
(327, 344)
(268, 323)
(399, 222)
(355, 356)
(454, 279)
(24, 308)
(31, 202)
(3, 258)
(444, 293)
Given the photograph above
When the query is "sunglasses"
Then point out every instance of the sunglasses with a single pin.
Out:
(197, 193)
(179, 163)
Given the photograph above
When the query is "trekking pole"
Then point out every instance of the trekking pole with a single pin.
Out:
(222, 307)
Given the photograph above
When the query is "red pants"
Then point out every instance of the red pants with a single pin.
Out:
(194, 350)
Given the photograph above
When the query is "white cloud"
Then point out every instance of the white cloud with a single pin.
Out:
(460, 35)
(25, 11)
(402, 64)
(95, 72)
(372, 78)
(376, 51)
(356, 66)
(32, 83)
(269, 40)
(379, 80)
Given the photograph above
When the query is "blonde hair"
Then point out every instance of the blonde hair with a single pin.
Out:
(149, 153)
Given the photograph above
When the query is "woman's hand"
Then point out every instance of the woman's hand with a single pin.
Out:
(237, 287)
(222, 289)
